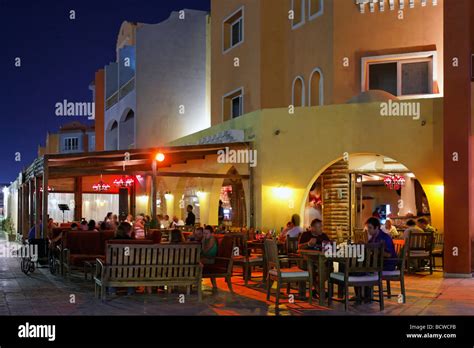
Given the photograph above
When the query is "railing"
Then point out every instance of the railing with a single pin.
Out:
(127, 88)
(392, 4)
(111, 101)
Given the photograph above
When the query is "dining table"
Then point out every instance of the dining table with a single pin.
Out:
(317, 258)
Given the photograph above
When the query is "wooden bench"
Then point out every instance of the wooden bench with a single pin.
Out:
(132, 265)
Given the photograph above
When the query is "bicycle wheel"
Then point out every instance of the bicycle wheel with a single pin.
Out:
(52, 264)
(24, 265)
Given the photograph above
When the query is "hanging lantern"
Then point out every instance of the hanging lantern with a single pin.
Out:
(50, 189)
(101, 186)
(394, 182)
(124, 181)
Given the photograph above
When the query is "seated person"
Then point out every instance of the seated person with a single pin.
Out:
(74, 227)
(176, 236)
(197, 235)
(209, 246)
(377, 236)
(424, 225)
(314, 238)
(390, 229)
(83, 226)
(412, 227)
(123, 231)
(91, 226)
(293, 228)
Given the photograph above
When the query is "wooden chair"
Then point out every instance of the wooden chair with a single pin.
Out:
(438, 248)
(420, 246)
(283, 275)
(291, 256)
(223, 263)
(360, 236)
(244, 257)
(371, 266)
(399, 273)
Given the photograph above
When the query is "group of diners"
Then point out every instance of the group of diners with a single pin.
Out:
(420, 225)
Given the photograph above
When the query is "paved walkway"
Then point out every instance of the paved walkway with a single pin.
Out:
(41, 293)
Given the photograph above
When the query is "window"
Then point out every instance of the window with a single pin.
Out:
(401, 75)
(297, 92)
(315, 8)
(233, 104)
(71, 144)
(316, 88)
(297, 8)
(233, 30)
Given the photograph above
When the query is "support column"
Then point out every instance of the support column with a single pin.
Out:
(45, 194)
(77, 198)
(31, 210)
(133, 199)
(458, 161)
(37, 195)
(19, 218)
(25, 218)
(153, 196)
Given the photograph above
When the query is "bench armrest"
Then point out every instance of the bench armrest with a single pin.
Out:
(99, 269)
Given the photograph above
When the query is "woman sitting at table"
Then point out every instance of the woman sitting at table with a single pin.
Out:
(209, 246)
(123, 231)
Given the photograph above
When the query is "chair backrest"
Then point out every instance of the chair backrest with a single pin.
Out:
(438, 241)
(365, 258)
(401, 251)
(83, 242)
(154, 235)
(292, 245)
(420, 241)
(360, 236)
(271, 254)
(240, 241)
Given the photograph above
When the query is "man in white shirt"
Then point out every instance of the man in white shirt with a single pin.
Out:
(293, 229)
(389, 229)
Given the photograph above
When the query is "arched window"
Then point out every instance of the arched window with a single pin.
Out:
(127, 130)
(316, 88)
(297, 92)
(111, 138)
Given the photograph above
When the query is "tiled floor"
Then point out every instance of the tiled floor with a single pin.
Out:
(41, 293)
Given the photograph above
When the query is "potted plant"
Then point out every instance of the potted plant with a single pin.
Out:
(8, 228)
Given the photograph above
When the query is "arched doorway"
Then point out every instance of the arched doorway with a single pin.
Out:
(352, 189)
(111, 136)
(233, 200)
(127, 130)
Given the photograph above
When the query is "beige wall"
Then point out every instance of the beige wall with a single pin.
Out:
(273, 53)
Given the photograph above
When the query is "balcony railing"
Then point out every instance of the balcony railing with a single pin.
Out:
(127, 88)
(111, 101)
(402, 4)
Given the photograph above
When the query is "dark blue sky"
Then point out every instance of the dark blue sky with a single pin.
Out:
(59, 57)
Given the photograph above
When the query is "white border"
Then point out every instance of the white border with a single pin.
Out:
(317, 14)
(321, 86)
(224, 50)
(228, 94)
(403, 58)
(303, 92)
(303, 14)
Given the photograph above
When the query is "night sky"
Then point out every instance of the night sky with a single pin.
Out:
(59, 57)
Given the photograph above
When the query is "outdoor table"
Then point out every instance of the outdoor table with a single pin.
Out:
(317, 257)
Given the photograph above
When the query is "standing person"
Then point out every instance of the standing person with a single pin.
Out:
(390, 229)
(191, 218)
(209, 246)
(220, 213)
